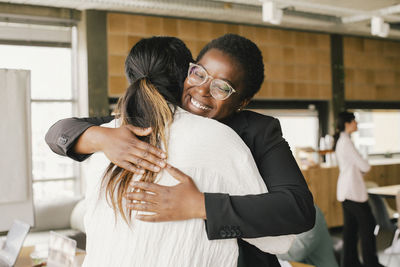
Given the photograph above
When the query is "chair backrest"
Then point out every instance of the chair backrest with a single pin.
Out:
(398, 207)
(380, 213)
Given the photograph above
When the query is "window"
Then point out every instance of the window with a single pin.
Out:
(378, 132)
(299, 127)
(52, 98)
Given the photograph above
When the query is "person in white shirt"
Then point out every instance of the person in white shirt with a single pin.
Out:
(359, 221)
(208, 151)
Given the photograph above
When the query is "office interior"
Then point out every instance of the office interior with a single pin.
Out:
(321, 57)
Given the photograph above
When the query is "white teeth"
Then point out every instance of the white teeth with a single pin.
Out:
(198, 105)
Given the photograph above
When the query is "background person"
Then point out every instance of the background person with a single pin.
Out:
(351, 191)
(286, 209)
(314, 247)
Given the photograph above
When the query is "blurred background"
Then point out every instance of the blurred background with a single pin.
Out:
(321, 57)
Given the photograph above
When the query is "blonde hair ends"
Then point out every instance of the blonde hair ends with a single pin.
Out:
(158, 114)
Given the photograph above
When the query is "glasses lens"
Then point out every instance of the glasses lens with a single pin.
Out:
(220, 89)
(197, 75)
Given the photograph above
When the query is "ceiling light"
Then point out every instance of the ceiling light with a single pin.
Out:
(270, 13)
(379, 27)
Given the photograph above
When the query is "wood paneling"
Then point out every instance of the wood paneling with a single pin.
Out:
(297, 64)
(372, 69)
(322, 183)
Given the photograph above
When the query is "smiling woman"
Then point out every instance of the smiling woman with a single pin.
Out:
(286, 209)
(199, 100)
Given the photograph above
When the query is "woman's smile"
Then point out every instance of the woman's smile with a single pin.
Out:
(199, 105)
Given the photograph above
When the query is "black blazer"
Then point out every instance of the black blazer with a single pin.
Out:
(286, 209)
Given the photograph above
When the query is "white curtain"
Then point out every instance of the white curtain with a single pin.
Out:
(15, 148)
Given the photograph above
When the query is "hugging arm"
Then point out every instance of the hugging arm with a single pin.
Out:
(79, 138)
(287, 208)
(64, 134)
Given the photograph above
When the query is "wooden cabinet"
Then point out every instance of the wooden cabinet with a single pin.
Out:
(322, 183)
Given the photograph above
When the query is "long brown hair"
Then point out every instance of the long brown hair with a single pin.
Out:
(156, 68)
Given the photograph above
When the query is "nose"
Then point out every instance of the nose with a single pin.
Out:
(204, 89)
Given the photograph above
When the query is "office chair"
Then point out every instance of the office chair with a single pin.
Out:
(381, 214)
(380, 211)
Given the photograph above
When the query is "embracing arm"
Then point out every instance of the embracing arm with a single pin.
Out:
(78, 138)
(287, 208)
(64, 134)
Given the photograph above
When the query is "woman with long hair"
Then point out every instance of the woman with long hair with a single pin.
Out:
(228, 72)
(351, 191)
(218, 160)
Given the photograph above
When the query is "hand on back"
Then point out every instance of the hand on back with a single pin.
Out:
(168, 203)
(123, 148)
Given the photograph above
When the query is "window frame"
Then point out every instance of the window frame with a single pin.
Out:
(73, 45)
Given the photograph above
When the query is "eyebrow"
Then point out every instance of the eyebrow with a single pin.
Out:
(223, 79)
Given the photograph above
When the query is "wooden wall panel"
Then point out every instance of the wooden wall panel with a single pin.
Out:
(297, 63)
(372, 69)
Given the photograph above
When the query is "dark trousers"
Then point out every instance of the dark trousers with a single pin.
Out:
(358, 223)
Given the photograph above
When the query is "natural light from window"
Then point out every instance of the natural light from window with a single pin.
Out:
(51, 99)
(378, 132)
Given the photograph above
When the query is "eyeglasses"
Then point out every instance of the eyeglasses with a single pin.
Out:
(219, 89)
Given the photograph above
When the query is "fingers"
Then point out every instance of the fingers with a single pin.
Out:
(148, 150)
(150, 218)
(177, 174)
(149, 207)
(140, 131)
(130, 167)
(141, 196)
(151, 187)
(143, 145)
(142, 163)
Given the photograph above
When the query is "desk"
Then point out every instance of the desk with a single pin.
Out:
(297, 264)
(385, 191)
(24, 259)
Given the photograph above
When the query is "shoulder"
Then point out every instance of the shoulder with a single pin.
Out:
(200, 125)
(343, 140)
(262, 126)
(250, 121)
(204, 133)
(252, 116)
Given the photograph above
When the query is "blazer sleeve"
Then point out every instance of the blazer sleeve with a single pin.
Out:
(62, 136)
(288, 208)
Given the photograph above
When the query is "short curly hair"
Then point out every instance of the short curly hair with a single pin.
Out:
(247, 55)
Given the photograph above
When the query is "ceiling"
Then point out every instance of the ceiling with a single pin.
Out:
(336, 16)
